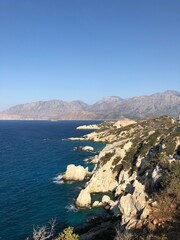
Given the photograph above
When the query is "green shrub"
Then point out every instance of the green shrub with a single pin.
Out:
(67, 234)
(116, 161)
(118, 168)
(106, 157)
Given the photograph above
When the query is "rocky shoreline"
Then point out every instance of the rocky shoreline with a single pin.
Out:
(133, 167)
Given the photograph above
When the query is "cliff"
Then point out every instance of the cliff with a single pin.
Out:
(140, 167)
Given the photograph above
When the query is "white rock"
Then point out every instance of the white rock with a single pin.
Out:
(84, 199)
(123, 177)
(94, 160)
(120, 189)
(88, 148)
(97, 204)
(157, 174)
(127, 207)
(105, 199)
(111, 203)
(139, 195)
(145, 213)
(91, 126)
(123, 123)
(75, 173)
(103, 180)
(154, 204)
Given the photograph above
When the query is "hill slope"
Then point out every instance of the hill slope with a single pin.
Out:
(140, 167)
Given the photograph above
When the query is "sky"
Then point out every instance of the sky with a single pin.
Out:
(87, 49)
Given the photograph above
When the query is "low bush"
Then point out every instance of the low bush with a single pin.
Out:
(67, 234)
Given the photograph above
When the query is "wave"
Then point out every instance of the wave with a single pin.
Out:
(71, 208)
(86, 160)
(58, 179)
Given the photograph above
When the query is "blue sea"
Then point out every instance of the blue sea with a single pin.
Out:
(32, 155)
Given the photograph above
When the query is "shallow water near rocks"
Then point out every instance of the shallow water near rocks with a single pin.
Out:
(32, 156)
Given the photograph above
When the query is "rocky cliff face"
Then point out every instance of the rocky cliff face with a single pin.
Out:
(140, 167)
(108, 108)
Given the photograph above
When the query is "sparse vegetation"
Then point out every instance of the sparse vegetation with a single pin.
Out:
(47, 232)
(116, 161)
(118, 168)
(106, 157)
(67, 234)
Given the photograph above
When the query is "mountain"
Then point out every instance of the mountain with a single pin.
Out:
(167, 103)
(106, 103)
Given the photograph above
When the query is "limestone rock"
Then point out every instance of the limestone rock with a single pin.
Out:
(100, 182)
(139, 195)
(84, 199)
(89, 127)
(146, 212)
(94, 160)
(85, 148)
(105, 199)
(75, 173)
(127, 207)
(156, 175)
(97, 204)
(123, 123)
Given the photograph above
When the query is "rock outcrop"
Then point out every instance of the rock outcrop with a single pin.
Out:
(84, 199)
(88, 127)
(85, 148)
(75, 173)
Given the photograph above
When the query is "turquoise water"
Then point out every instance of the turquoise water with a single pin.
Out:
(32, 155)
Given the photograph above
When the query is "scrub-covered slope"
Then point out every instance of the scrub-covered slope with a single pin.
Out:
(140, 166)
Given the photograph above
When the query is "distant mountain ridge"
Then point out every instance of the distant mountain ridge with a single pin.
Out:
(114, 107)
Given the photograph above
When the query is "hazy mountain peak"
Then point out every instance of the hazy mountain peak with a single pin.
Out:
(172, 92)
(111, 107)
(109, 99)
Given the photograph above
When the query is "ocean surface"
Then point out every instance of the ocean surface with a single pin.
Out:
(32, 155)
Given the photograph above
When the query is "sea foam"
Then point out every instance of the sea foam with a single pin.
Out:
(71, 208)
(58, 179)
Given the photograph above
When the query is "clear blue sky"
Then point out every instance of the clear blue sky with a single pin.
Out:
(87, 49)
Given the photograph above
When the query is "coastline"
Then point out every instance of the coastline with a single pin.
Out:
(125, 207)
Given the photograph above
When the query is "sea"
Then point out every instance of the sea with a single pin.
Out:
(33, 154)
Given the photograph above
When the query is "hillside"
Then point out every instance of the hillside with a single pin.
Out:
(167, 103)
(140, 169)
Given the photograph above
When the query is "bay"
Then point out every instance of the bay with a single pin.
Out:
(32, 155)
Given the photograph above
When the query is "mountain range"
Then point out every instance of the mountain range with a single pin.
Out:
(166, 103)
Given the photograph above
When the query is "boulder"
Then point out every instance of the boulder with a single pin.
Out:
(105, 199)
(156, 176)
(127, 207)
(75, 173)
(146, 212)
(84, 199)
(86, 148)
(97, 204)
(94, 160)
(139, 195)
